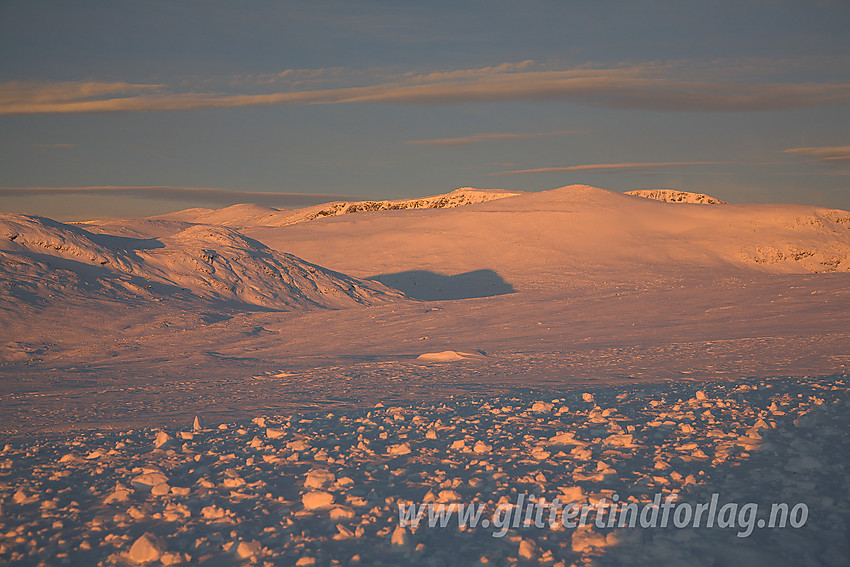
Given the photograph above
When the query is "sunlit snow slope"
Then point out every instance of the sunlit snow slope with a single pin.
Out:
(563, 236)
(42, 259)
(258, 215)
(673, 196)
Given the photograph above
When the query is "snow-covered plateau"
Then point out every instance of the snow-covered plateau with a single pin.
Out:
(252, 386)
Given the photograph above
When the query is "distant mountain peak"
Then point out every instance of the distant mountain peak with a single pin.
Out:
(673, 196)
(255, 215)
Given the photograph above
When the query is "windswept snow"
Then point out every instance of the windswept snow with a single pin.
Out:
(673, 196)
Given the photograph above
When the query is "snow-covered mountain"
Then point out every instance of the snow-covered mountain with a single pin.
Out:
(431, 247)
(574, 235)
(673, 196)
(258, 215)
(41, 258)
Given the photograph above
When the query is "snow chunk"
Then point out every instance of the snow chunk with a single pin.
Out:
(342, 513)
(542, 407)
(572, 494)
(400, 539)
(247, 549)
(399, 450)
(213, 513)
(71, 458)
(149, 480)
(567, 438)
(540, 453)
(319, 479)
(162, 439)
(119, 494)
(527, 549)
(620, 440)
(317, 500)
(584, 539)
(275, 433)
(21, 497)
(446, 496)
(147, 549)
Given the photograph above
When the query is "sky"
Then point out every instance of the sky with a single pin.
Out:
(125, 109)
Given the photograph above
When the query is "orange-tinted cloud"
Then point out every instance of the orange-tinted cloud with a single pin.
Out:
(823, 154)
(17, 93)
(210, 195)
(490, 137)
(613, 167)
(636, 87)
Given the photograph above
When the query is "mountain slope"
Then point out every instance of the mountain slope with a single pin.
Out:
(41, 258)
(673, 196)
(258, 215)
(573, 235)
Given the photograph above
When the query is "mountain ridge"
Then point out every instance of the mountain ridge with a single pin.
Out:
(674, 196)
(208, 262)
(260, 215)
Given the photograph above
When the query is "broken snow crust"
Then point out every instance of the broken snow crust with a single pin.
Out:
(324, 488)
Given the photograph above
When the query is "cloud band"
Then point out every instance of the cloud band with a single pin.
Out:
(637, 87)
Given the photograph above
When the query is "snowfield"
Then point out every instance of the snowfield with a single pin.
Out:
(252, 386)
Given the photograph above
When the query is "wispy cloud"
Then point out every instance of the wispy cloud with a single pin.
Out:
(489, 137)
(614, 167)
(27, 93)
(648, 87)
(823, 154)
(211, 195)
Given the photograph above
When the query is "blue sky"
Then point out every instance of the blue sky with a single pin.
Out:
(135, 108)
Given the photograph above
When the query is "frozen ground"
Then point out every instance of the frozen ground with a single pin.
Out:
(324, 488)
(116, 334)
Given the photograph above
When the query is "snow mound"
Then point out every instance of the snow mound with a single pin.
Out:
(44, 257)
(257, 215)
(449, 356)
(673, 196)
